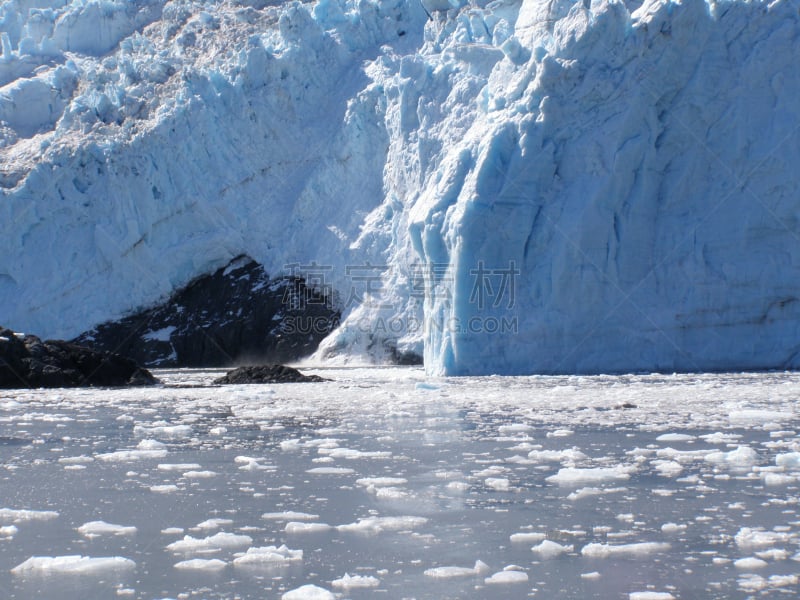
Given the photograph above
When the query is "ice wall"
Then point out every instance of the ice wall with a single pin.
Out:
(525, 186)
(639, 169)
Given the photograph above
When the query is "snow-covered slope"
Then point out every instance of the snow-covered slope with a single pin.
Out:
(565, 186)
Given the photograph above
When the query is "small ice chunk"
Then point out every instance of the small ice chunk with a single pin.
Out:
(289, 515)
(748, 538)
(72, 565)
(348, 582)
(511, 576)
(375, 525)
(163, 430)
(501, 484)
(527, 537)
(308, 592)
(75, 460)
(167, 488)
(742, 457)
(172, 531)
(178, 467)
(97, 528)
(675, 437)
(789, 460)
(267, 555)
(351, 453)
(294, 527)
(591, 576)
(199, 474)
(749, 563)
(573, 476)
(777, 479)
(451, 572)
(12, 515)
(214, 523)
(330, 471)
(146, 449)
(458, 486)
(773, 554)
(549, 549)
(588, 492)
(568, 454)
(672, 528)
(635, 549)
(8, 531)
(650, 596)
(558, 433)
(218, 541)
(381, 481)
(201, 564)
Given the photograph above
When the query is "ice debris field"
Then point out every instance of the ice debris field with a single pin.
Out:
(384, 483)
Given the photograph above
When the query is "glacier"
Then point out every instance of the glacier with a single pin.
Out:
(515, 186)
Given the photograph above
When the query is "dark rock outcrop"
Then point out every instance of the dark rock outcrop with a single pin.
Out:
(267, 374)
(29, 362)
(237, 314)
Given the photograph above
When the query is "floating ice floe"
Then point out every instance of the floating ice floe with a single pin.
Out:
(672, 528)
(199, 474)
(179, 467)
(348, 582)
(574, 476)
(163, 430)
(757, 583)
(201, 564)
(146, 449)
(381, 481)
(507, 575)
(72, 565)
(13, 515)
(267, 555)
(650, 596)
(351, 454)
(166, 488)
(749, 538)
(635, 549)
(308, 592)
(588, 492)
(789, 460)
(209, 524)
(549, 549)
(675, 437)
(289, 515)
(8, 531)
(527, 537)
(330, 471)
(741, 458)
(294, 527)
(500, 484)
(749, 563)
(375, 525)
(480, 568)
(566, 455)
(218, 541)
(98, 528)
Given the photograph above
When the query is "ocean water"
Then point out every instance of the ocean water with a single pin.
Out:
(385, 483)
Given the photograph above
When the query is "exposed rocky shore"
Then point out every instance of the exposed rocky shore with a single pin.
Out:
(28, 362)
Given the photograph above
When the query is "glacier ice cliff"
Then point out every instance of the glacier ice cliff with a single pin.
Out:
(518, 186)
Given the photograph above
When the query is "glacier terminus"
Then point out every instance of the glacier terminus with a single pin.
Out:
(539, 186)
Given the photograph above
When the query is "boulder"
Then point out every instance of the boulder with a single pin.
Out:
(28, 362)
(267, 374)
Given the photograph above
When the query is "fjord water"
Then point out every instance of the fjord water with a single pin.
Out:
(681, 486)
